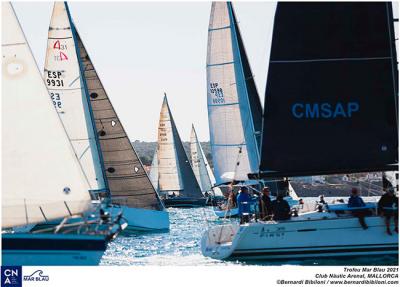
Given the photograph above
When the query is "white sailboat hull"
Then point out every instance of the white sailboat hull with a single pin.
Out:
(226, 213)
(312, 235)
(52, 249)
(139, 219)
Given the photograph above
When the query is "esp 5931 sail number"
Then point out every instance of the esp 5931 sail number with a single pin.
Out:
(218, 94)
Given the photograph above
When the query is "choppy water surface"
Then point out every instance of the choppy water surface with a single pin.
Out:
(181, 245)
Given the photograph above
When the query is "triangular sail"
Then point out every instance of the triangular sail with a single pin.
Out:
(234, 108)
(67, 89)
(127, 180)
(153, 174)
(41, 176)
(175, 170)
(332, 90)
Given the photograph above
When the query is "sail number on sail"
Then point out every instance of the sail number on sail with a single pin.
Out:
(218, 94)
(324, 110)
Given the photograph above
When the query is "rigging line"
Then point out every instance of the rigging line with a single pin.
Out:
(13, 44)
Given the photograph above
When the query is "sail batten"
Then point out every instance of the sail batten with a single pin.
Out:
(331, 95)
(234, 108)
(42, 177)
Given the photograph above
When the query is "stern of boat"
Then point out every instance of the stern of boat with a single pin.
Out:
(219, 242)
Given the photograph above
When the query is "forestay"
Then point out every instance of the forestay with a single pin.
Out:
(63, 78)
(234, 108)
(127, 180)
(41, 176)
(332, 90)
(175, 170)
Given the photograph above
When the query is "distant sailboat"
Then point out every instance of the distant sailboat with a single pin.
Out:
(234, 107)
(201, 168)
(42, 178)
(153, 175)
(326, 83)
(88, 113)
(176, 179)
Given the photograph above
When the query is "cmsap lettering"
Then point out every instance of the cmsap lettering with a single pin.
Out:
(324, 110)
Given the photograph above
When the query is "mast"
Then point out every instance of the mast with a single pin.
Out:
(335, 92)
(68, 91)
(42, 177)
(127, 179)
(234, 107)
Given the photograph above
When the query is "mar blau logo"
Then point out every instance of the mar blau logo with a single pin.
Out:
(36, 276)
(11, 276)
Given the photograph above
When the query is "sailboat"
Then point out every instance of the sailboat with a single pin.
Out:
(177, 182)
(42, 177)
(99, 138)
(323, 86)
(201, 167)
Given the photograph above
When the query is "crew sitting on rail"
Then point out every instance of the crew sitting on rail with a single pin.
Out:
(388, 207)
(356, 201)
(280, 208)
(244, 202)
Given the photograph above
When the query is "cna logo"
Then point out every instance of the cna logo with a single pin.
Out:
(11, 276)
(36, 276)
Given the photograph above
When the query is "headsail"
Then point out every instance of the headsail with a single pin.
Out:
(127, 180)
(175, 170)
(201, 168)
(332, 90)
(67, 90)
(153, 175)
(42, 179)
(234, 108)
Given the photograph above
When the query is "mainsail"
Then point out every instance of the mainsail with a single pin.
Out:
(234, 108)
(175, 170)
(127, 180)
(201, 168)
(332, 90)
(67, 90)
(41, 176)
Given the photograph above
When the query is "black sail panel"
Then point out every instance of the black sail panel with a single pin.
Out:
(332, 88)
(127, 180)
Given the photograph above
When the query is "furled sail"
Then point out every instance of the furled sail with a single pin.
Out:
(127, 180)
(41, 176)
(332, 90)
(201, 168)
(175, 170)
(234, 108)
(67, 90)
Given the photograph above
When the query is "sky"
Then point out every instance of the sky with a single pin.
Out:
(143, 49)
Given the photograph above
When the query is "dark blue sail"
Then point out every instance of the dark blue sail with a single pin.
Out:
(332, 90)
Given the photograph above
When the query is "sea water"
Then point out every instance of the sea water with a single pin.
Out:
(181, 245)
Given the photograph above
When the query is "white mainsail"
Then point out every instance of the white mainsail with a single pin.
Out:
(201, 168)
(153, 175)
(67, 90)
(41, 176)
(169, 176)
(232, 135)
